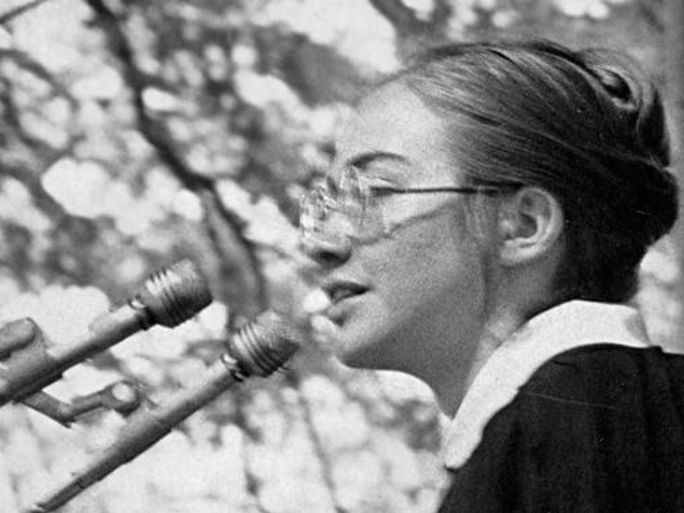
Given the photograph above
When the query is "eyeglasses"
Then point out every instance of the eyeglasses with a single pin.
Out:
(356, 204)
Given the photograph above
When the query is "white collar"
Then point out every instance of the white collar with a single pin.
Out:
(563, 327)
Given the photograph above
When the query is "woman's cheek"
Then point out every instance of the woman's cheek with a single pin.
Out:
(323, 330)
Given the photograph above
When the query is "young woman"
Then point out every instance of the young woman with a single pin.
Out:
(481, 228)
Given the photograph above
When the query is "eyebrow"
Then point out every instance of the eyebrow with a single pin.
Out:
(364, 159)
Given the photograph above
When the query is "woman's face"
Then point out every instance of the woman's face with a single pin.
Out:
(412, 297)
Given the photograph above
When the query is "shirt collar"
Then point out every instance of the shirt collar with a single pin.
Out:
(561, 328)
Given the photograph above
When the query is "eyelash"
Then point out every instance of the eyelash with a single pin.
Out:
(381, 191)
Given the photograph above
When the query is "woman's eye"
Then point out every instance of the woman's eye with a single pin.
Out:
(380, 191)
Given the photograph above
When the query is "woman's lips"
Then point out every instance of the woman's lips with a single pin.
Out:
(342, 295)
(340, 291)
(333, 300)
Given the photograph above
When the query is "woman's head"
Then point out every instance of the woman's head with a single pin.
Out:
(412, 285)
(585, 126)
(404, 278)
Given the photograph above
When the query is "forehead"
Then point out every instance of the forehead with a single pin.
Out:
(394, 121)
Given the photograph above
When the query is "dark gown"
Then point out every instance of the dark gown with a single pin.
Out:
(596, 429)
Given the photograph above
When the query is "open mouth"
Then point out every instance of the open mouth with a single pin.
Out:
(343, 290)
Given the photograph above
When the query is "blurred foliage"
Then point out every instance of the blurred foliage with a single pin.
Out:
(133, 134)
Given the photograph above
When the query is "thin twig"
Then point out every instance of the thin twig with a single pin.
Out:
(414, 33)
(294, 379)
(252, 482)
(398, 14)
(19, 10)
(26, 62)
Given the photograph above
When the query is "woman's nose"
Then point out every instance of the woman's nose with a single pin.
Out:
(327, 250)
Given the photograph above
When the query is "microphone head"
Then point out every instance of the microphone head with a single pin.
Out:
(264, 345)
(174, 294)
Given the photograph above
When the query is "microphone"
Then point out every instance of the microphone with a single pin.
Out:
(257, 349)
(169, 297)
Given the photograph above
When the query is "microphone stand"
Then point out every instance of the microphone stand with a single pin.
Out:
(168, 298)
(259, 348)
(143, 429)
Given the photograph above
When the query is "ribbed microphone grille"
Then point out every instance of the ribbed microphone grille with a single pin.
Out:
(175, 294)
(264, 345)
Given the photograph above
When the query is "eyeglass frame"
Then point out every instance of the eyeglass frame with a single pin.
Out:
(379, 191)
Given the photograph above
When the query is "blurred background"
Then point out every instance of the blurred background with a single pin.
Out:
(133, 134)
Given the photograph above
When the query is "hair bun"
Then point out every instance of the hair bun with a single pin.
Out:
(616, 85)
(636, 101)
(619, 75)
(641, 115)
(656, 206)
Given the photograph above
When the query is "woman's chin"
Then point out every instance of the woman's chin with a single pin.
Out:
(362, 350)
(353, 335)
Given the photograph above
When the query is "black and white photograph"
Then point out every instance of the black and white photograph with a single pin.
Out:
(341, 256)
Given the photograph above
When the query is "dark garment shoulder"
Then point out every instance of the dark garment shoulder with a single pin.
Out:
(596, 429)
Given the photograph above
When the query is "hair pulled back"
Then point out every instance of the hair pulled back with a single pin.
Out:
(587, 126)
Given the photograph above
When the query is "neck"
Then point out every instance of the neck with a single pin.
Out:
(449, 384)
(517, 297)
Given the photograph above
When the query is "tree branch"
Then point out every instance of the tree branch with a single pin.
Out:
(294, 380)
(408, 24)
(412, 32)
(252, 482)
(19, 10)
(25, 61)
(158, 136)
(152, 130)
(444, 9)
(25, 173)
(402, 17)
(651, 13)
(216, 212)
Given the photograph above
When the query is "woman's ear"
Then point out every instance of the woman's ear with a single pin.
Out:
(530, 226)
